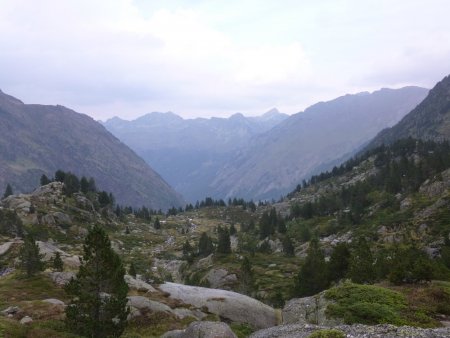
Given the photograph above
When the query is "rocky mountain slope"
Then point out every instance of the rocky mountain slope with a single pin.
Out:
(40, 139)
(430, 120)
(189, 152)
(323, 135)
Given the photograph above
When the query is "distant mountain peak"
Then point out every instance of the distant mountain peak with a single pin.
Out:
(272, 112)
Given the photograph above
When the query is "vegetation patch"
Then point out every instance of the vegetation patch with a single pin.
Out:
(366, 304)
(328, 334)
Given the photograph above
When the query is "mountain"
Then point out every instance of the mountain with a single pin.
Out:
(430, 120)
(306, 143)
(188, 153)
(40, 139)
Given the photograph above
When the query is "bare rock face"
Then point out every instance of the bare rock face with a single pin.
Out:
(61, 278)
(353, 331)
(203, 330)
(308, 310)
(230, 305)
(49, 250)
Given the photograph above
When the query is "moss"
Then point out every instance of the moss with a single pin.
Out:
(328, 334)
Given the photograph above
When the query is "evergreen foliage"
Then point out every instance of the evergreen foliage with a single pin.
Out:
(157, 224)
(246, 277)
(361, 267)
(205, 245)
(44, 180)
(312, 277)
(57, 263)
(8, 191)
(339, 262)
(288, 246)
(132, 270)
(223, 242)
(30, 258)
(410, 265)
(99, 304)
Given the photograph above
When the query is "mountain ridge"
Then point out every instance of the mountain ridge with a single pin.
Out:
(40, 139)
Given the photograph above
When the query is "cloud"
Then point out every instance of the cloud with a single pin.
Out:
(122, 57)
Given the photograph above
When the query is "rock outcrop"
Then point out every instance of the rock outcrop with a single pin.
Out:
(353, 331)
(230, 305)
(308, 310)
(203, 330)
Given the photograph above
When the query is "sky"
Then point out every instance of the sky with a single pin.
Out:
(201, 58)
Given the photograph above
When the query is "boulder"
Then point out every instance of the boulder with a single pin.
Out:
(61, 278)
(354, 331)
(54, 301)
(26, 320)
(203, 330)
(5, 247)
(308, 310)
(62, 218)
(220, 278)
(227, 304)
(205, 263)
(48, 249)
(143, 303)
(137, 284)
(11, 310)
(173, 267)
(20, 203)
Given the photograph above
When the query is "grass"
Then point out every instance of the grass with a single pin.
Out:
(15, 288)
(327, 334)
(241, 330)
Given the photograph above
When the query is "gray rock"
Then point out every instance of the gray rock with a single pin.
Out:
(308, 310)
(54, 301)
(62, 218)
(137, 284)
(4, 248)
(227, 304)
(61, 278)
(205, 262)
(203, 330)
(26, 320)
(220, 278)
(352, 331)
(48, 219)
(143, 303)
(11, 310)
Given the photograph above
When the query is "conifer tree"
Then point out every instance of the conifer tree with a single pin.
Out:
(246, 277)
(339, 262)
(157, 224)
(205, 245)
(288, 247)
(312, 277)
(58, 264)
(8, 191)
(361, 268)
(232, 230)
(223, 243)
(99, 304)
(132, 270)
(44, 180)
(30, 258)
(84, 185)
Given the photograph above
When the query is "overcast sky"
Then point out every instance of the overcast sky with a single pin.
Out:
(216, 57)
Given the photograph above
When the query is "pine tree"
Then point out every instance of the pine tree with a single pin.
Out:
(84, 185)
(157, 224)
(361, 268)
(288, 247)
(246, 277)
(44, 180)
(233, 230)
(30, 258)
(223, 243)
(58, 264)
(132, 270)
(339, 262)
(8, 191)
(312, 277)
(205, 245)
(99, 304)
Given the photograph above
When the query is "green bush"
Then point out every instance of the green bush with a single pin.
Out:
(328, 334)
(366, 304)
